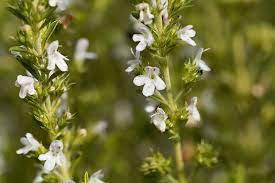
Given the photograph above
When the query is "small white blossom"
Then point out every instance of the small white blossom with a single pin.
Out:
(159, 118)
(39, 177)
(186, 34)
(55, 58)
(30, 143)
(145, 15)
(61, 4)
(97, 177)
(26, 84)
(194, 115)
(100, 128)
(81, 53)
(133, 63)
(123, 113)
(150, 80)
(199, 62)
(145, 39)
(54, 156)
(151, 106)
(208, 100)
(82, 132)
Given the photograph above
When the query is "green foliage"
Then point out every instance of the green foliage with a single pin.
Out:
(156, 165)
(206, 155)
(190, 73)
(86, 178)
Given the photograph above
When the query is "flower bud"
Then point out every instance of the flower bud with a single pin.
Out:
(82, 132)
(68, 115)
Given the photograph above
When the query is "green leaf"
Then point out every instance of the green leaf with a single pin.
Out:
(28, 67)
(18, 14)
(86, 178)
(50, 30)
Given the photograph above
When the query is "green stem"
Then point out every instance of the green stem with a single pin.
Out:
(177, 146)
(179, 162)
(173, 106)
(167, 79)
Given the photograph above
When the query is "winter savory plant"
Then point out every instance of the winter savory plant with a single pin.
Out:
(158, 33)
(45, 87)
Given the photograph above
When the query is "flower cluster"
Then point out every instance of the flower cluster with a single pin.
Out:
(158, 34)
(151, 77)
(45, 88)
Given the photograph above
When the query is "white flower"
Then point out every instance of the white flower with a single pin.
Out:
(81, 53)
(133, 63)
(61, 4)
(151, 106)
(145, 15)
(26, 84)
(123, 113)
(150, 80)
(54, 157)
(100, 128)
(97, 177)
(194, 115)
(186, 34)
(159, 119)
(30, 143)
(208, 100)
(39, 177)
(55, 58)
(145, 38)
(199, 62)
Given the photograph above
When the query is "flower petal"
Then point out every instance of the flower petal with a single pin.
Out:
(23, 150)
(191, 33)
(138, 37)
(50, 163)
(148, 89)
(24, 141)
(61, 64)
(160, 125)
(23, 92)
(51, 63)
(130, 68)
(141, 46)
(188, 40)
(199, 54)
(159, 83)
(44, 157)
(52, 48)
(31, 90)
(90, 55)
(203, 66)
(140, 80)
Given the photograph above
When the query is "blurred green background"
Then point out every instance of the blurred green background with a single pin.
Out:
(236, 100)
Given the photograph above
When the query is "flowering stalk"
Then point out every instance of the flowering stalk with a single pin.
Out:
(45, 89)
(159, 33)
